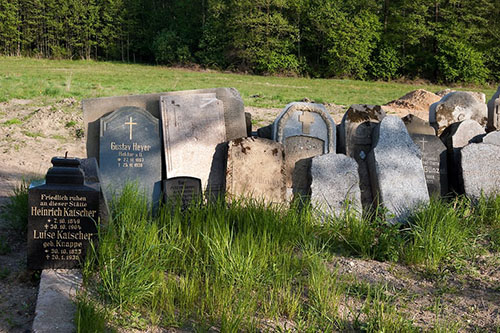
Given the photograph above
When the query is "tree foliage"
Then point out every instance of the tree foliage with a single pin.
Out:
(440, 40)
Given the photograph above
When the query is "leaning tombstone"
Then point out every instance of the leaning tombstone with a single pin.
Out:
(256, 170)
(433, 154)
(335, 185)
(355, 140)
(396, 169)
(492, 138)
(194, 139)
(63, 217)
(455, 107)
(494, 111)
(455, 137)
(305, 130)
(182, 190)
(130, 152)
(480, 171)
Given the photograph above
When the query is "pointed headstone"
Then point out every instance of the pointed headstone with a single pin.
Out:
(194, 139)
(255, 170)
(396, 169)
(130, 151)
(355, 140)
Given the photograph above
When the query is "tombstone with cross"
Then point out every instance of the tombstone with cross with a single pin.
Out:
(305, 130)
(130, 151)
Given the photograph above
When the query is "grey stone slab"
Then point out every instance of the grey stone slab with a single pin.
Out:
(93, 178)
(480, 170)
(416, 125)
(455, 137)
(95, 108)
(55, 306)
(335, 184)
(455, 107)
(183, 190)
(194, 137)
(494, 111)
(396, 169)
(492, 138)
(355, 140)
(434, 160)
(130, 151)
(256, 170)
(305, 130)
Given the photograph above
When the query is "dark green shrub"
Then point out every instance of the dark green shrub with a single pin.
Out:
(168, 48)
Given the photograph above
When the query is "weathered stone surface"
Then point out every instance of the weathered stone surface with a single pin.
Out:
(480, 170)
(479, 96)
(335, 184)
(416, 125)
(130, 151)
(492, 138)
(194, 136)
(494, 111)
(95, 108)
(355, 140)
(455, 137)
(255, 169)
(305, 130)
(457, 106)
(396, 169)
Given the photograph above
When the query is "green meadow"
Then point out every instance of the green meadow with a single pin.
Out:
(27, 78)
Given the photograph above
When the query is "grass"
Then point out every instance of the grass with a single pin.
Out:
(15, 211)
(28, 78)
(251, 267)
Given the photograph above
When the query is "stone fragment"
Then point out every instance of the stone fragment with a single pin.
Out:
(130, 152)
(480, 170)
(255, 170)
(457, 106)
(492, 138)
(455, 137)
(335, 184)
(494, 111)
(355, 140)
(194, 139)
(305, 130)
(396, 169)
(479, 96)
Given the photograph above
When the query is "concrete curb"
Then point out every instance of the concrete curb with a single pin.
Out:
(55, 308)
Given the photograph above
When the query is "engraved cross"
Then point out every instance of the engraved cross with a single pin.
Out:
(423, 144)
(306, 119)
(130, 123)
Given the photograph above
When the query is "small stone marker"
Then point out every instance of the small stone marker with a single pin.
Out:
(457, 106)
(130, 151)
(480, 170)
(355, 140)
(305, 130)
(455, 137)
(255, 169)
(396, 169)
(184, 189)
(194, 139)
(335, 184)
(63, 217)
(433, 154)
(492, 138)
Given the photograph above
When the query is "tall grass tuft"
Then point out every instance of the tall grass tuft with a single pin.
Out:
(16, 210)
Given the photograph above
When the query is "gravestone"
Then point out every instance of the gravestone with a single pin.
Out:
(433, 154)
(182, 189)
(255, 169)
(492, 138)
(455, 137)
(63, 217)
(95, 108)
(494, 112)
(335, 184)
(93, 178)
(480, 170)
(396, 170)
(305, 130)
(355, 140)
(194, 139)
(455, 107)
(130, 151)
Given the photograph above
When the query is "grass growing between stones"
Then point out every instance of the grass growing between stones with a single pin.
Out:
(251, 267)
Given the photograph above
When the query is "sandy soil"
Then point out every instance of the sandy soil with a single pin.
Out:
(31, 134)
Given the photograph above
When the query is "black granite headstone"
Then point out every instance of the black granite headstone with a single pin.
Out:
(63, 217)
(130, 151)
(184, 189)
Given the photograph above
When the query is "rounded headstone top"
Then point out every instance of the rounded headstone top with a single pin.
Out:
(463, 133)
(492, 138)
